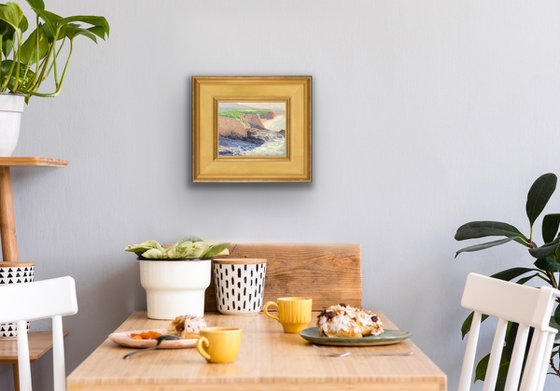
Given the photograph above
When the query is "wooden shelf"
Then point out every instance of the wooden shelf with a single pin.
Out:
(32, 161)
(40, 342)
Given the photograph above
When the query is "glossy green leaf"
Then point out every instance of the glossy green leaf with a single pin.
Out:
(545, 250)
(72, 30)
(39, 4)
(539, 194)
(524, 280)
(29, 48)
(52, 22)
(548, 263)
(7, 44)
(480, 229)
(12, 14)
(482, 246)
(510, 274)
(555, 322)
(550, 225)
(466, 326)
(99, 23)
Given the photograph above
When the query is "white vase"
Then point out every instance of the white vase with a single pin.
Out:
(11, 107)
(176, 287)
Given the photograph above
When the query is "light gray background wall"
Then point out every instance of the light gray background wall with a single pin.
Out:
(426, 114)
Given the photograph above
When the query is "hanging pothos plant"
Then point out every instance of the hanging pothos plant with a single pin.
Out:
(545, 266)
(29, 57)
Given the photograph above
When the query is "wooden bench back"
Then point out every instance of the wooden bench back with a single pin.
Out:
(328, 273)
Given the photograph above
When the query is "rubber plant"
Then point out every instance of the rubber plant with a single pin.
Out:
(544, 265)
(29, 57)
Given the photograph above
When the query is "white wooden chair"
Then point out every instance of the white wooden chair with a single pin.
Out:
(530, 308)
(54, 299)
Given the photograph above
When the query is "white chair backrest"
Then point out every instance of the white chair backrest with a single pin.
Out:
(54, 299)
(510, 302)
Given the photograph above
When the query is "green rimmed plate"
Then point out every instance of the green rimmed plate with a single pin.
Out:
(389, 337)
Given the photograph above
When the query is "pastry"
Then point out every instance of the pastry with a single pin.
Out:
(186, 326)
(342, 320)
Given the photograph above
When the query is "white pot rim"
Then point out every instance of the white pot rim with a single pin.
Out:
(12, 102)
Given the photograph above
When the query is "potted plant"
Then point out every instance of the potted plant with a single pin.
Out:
(176, 276)
(545, 265)
(29, 57)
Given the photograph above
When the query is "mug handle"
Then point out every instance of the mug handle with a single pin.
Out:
(265, 309)
(200, 347)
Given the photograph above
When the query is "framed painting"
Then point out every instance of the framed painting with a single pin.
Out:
(251, 129)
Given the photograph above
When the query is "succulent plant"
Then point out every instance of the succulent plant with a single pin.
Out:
(188, 248)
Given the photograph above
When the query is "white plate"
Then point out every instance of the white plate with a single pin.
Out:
(124, 339)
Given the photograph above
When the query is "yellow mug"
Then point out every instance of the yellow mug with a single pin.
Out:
(219, 344)
(294, 313)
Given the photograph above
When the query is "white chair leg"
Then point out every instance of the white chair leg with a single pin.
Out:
(59, 371)
(24, 365)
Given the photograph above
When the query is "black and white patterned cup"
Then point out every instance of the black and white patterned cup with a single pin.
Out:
(14, 273)
(239, 284)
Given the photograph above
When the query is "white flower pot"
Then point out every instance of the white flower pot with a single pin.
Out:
(175, 287)
(11, 107)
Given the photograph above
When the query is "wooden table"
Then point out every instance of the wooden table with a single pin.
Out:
(269, 359)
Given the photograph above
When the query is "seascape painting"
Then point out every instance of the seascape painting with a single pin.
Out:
(256, 129)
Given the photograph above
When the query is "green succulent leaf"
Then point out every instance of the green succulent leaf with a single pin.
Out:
(140, 248)
(216, 249)
(480, 229)
(155, 253)
(545, 250)
(482, 246)
(548, 263)
(539, 194)
(550, 225)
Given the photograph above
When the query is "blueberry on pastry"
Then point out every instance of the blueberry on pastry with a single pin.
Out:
(186, 326)
(342, 320)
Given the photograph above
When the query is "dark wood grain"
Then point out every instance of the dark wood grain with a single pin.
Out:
(328, 273)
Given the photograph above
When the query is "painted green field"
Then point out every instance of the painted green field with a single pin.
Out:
(237, 113)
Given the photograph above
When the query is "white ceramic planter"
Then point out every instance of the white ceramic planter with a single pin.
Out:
(11, 107)
(175, 287)
(239, 285)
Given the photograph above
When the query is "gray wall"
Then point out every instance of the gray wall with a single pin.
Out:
(427, 114)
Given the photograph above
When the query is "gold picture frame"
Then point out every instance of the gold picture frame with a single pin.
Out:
(251, 129)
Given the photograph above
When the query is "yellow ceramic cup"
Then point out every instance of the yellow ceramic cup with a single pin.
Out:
(219, 344)
(294, 313)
